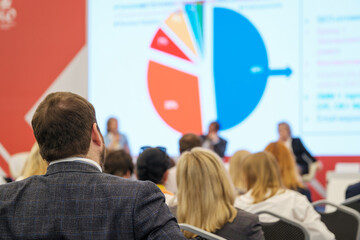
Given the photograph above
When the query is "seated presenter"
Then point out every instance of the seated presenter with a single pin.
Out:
(213, 141)
(303, 158)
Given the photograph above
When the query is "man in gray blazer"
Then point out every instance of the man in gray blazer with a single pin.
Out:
(74, 199)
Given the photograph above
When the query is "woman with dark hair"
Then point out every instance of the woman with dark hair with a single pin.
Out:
(153, 165)
(119, 163)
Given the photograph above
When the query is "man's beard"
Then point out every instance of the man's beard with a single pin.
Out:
(102, 153)
(102, 157)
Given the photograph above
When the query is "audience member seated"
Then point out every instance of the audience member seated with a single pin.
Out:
(213, 141)
(114, 140)
(119, 163)
(288, 171)
(353, 190)
(186, 143)
(205, 198)
(74, 199)
(34, 165)
(234, 169)
(302, 156)
(153, 164)
(265, 191)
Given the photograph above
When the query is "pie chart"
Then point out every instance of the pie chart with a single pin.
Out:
(239, 68)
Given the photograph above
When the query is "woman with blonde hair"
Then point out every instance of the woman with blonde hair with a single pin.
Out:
(265, 191)
(34, 165)
(288, 171)
(205, 198)
(234, 169)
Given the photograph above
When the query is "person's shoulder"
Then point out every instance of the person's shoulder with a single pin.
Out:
(123, 135)
(295, 199)
(353, 190)
(116, 180)
(11, 185)
(10, 189)
(245, 223)
(354, 186)
(246, 217)
(117, 185)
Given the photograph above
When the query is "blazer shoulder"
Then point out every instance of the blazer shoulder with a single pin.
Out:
(224, 141)
(246, 217)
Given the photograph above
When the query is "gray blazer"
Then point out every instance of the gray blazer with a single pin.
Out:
(74, 200)
(245, 226)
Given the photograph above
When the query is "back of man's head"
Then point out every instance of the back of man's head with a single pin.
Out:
(62, 125)
(188, 142)
(151, 165)
(119, 163)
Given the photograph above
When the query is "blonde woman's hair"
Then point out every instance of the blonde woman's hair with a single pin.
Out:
(261, 176)
(235, 166)
(35, 164)
(286, 161)
(205, 193)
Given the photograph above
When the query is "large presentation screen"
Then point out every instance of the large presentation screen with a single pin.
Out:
(166, 67)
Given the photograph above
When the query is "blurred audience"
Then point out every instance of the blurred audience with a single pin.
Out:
(119, 163)
(234, 169)
(34, 165)
(152, 165)
(186, 143)
(205, 198)
(265, 191)
(288, 171)
(213, 141)
(303, 158)
(114, 140)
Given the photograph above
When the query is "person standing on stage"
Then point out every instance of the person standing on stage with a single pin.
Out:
(114, 140)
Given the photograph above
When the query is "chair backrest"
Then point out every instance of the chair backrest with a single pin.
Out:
(284, 228)
(344, 222)
(353, 202)
(202, 233)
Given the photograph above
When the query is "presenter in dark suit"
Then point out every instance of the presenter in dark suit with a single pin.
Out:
(302, 155)
(74, 199)
(213, 141)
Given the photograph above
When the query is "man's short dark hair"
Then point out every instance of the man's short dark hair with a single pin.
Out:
(216, 125)
(151, 165)
(118, 163)
(62, 125)
(189, 141)
(286, 125)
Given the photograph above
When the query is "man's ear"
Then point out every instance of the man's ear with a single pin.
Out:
(96, 135)
(127, 174)
(165, 176)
